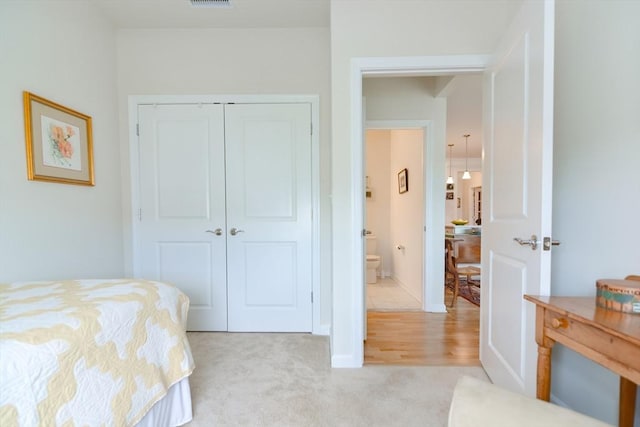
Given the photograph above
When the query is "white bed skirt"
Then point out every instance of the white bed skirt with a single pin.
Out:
(172, 410)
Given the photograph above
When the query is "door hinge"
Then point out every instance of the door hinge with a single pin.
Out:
(137, 129)
(311, 297)
(311, 125)
(140, 214)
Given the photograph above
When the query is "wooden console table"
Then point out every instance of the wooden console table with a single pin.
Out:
(608, 337)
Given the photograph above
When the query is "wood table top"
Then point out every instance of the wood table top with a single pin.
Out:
(584, 309)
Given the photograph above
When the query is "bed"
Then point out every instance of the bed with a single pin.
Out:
(94, 353)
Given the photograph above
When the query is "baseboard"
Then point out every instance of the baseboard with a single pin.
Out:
(554, 399)
(436, 308)
(322, 330)
(345, 361)
(406, 288)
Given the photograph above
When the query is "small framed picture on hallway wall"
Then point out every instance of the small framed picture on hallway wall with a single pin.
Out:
(403, 181)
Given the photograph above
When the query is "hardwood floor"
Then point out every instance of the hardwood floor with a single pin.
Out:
(418, 338)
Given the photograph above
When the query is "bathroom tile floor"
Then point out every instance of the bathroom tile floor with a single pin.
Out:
(387, 295)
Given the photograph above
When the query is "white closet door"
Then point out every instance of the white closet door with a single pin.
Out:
(182, 205)
(268, 157)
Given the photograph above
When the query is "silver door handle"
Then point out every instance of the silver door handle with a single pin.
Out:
(235, 231)
(533, 242)
(217, 231)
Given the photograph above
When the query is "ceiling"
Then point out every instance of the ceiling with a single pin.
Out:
(464, 93)
(241, 14)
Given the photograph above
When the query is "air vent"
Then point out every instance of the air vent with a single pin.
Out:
(211, 3)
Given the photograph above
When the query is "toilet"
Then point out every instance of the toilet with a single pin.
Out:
(373, 260)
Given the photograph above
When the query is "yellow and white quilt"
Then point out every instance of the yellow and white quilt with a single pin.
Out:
(89, 352)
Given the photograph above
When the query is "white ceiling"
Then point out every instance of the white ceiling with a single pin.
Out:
(242, 14)
(464, 92)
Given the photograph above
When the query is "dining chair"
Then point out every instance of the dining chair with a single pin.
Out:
(453, 272)
(451, 277)
(468, 252)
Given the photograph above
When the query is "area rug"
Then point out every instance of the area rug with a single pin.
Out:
(470, 293)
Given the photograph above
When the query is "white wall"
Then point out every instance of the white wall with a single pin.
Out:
(229, 61)
(407, 210)
(400, 98)
(63, 51)
(596, 175)
(362, 28)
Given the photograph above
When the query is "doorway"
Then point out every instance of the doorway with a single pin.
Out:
(434, 163)
(397, 336)
(394, 215)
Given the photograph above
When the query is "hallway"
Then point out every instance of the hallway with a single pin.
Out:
(427, 339)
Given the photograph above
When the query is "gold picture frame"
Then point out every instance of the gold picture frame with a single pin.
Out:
(59, 142)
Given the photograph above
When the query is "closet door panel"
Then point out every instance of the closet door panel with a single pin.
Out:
(182, 204)
(269, 170)
(268, 148)
(183, 162)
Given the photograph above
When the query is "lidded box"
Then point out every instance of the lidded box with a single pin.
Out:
(618, 295)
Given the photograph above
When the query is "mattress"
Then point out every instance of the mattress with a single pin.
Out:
(89, 352)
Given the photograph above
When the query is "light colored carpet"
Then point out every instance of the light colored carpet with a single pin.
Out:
(286, 380)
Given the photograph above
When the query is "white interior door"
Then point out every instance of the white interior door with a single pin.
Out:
(226, 212)
(268, 157)
(182, 237)
(518, 122)
(363, 241)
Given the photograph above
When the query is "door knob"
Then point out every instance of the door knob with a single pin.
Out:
(217, 231)
(235, 231)
(533, 242)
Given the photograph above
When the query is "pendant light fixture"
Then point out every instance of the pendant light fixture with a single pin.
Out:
(466, 174)
(450, 177)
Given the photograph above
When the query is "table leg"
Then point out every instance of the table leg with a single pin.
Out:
(627, 405)
(543, 391)
(543, 381)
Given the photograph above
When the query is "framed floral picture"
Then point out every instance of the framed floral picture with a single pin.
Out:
(59, 142)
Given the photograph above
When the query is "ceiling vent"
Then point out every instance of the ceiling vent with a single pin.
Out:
(211, 3)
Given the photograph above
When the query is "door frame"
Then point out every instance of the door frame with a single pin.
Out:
(398, 67)
(131, 231)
